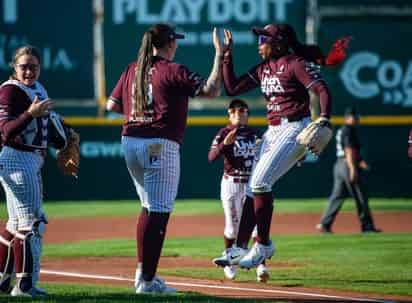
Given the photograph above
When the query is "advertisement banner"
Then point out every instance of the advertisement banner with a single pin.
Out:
(376, 77)
(127, 20)
(62, 30)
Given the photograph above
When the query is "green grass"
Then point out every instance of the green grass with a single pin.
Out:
(88, 293)
(110, 208)
(365, 263)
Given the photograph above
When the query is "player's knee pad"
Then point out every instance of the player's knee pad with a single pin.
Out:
(6, 260)
(31, 254)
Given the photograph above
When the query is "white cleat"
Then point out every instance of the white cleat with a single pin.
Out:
(156, 286)
(230, 272)
(32, 292)
(230, 256)
(262, 273)
(257, 255)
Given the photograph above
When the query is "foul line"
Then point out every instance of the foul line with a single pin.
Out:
(195, 285)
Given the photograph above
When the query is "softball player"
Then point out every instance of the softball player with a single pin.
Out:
(237, 143)
(152, 94)
(285, 79)
(24, 120)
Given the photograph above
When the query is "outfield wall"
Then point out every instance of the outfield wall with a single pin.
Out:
(103, 173)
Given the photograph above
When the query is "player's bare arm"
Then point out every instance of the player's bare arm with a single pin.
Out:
(113, 106)
(213, 85)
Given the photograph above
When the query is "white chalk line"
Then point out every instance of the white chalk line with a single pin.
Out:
(196, 285)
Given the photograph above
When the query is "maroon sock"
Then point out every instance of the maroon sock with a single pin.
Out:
(263, 210)
(23, 261)
(247, 223)
(140, 231)
(4, 250)
(153, 243)
(228, 242)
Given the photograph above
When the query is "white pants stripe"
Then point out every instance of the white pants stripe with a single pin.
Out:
(278, 153)
(20, 176)
(233, 197)
(156, 180)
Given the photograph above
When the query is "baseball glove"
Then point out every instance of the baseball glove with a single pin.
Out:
(316, 135)
(68, 158)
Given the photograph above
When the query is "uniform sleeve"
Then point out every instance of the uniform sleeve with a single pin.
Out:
(308, 73)
(217, 147)
(410, 144)
(10, 124)
(117, 94)
(236, 86)
(188, 83)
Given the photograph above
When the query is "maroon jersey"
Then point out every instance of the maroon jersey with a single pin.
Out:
(171, 85)
(238, 157)
(284, 83)
(18, 128)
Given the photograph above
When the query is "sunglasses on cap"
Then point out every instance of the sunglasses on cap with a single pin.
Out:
(240, 110)
(263, 39)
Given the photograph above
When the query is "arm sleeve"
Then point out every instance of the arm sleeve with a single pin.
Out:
(117, 94)
(217, 147)
(11, 125)
(237, 86)
(308, 74)
(189, 83)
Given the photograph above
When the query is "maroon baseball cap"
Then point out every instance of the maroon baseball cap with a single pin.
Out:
(270, 33)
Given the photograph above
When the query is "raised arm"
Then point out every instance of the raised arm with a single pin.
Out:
(213, 85)
(234, 86)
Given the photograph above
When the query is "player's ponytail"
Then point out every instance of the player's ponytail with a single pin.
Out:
(312, 52)
(142, 73)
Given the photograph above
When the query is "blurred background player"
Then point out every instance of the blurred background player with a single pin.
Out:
(24, 126)
(152, 94)
(284, 79)
(410, 144)
(347, 176)
(237, 144)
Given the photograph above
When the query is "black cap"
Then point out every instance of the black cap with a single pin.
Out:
(351, 111)
(238, 103)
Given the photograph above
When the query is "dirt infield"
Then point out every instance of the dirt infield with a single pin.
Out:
(71, 230)
(121, 270)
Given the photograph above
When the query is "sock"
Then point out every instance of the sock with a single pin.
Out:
(228, 242)
(140, 231)
(263, 204)
(247, 223)
(153, 243)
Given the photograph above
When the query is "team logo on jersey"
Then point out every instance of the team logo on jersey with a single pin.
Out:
(271, 84)
(243, 148)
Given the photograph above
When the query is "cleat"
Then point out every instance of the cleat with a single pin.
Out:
(257, 255)
(230, 256)
(32, 292)
(262, 273)
(156, 286)
(324, 229)
(230, 272)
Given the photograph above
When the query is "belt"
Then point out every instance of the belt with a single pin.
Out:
(282, 120)
(237, 179)
(22, 147)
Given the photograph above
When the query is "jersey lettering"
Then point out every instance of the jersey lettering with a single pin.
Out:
(271, 84)
(244, 149)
